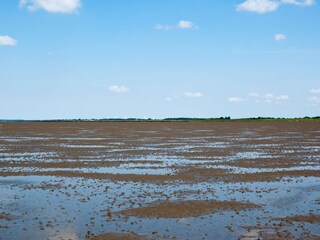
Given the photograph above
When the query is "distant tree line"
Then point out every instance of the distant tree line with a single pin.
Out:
(181, 119)
(196, 119)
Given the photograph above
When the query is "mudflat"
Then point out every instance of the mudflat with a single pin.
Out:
(160, 180)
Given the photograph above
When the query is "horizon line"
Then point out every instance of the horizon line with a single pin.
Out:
(133, 119)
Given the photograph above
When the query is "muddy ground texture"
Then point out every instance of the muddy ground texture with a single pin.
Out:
(160, 180)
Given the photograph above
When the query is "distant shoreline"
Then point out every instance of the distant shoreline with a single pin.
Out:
(179, 119)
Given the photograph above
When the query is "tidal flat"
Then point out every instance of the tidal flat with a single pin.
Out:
(160, 180)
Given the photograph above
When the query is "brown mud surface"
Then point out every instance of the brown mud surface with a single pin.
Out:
(185, 209)
(119, 236)
(191, 174)
(66, 149)
(299, 218)
(167, 180)
(6, 216)
(199, 175)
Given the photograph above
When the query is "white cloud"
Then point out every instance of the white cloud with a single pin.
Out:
(258, 6)
(270, 98)
(7, 41)
(299, 2)
(185, 24)
(279, 37)
(54, 6)
(118, 89)
(264, 6)
(235, 99)
(315, 90)
(259, 98)
(193, 94)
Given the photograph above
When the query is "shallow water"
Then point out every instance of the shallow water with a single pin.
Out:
(73, 207)
(51, 207)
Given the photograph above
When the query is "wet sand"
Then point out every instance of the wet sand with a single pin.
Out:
(160, 180)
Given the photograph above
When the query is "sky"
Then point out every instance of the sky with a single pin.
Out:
(159, 58)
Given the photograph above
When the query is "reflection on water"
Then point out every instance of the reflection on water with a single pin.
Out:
(50, 207)
(73, 206)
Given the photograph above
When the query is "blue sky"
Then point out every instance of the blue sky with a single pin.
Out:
(159, 58)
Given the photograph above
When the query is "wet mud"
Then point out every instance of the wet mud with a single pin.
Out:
(160, 180)
(185, 209)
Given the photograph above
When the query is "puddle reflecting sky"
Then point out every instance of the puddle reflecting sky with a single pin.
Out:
(51, 207)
